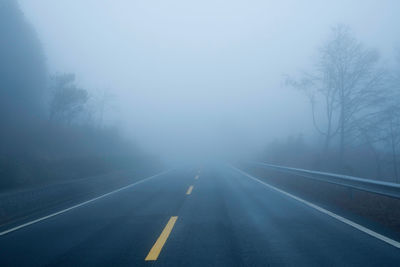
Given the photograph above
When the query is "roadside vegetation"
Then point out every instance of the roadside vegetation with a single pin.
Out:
(354, 107)
(51, 128)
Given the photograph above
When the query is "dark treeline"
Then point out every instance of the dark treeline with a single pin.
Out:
(354, 100)
(48, 133)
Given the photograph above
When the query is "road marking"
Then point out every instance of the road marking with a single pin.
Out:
(189, 191)
(327, 212)
(157, 247)
(80, 204)
(197, 177)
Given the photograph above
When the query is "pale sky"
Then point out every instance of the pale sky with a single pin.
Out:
(202, 75)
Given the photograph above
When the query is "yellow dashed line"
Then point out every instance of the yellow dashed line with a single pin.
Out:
(189, 191)
(157, 247)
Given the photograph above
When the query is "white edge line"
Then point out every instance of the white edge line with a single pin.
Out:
(327, 212)
(79, 205)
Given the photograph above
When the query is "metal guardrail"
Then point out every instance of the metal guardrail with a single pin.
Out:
(368, 185)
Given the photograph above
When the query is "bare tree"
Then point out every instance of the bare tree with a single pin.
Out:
(315, 89)
(387, 134)
(390, 120)
(104, 101)
(68, 100)
(348, 80)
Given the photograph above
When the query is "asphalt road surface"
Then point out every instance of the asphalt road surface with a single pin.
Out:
(214, 216)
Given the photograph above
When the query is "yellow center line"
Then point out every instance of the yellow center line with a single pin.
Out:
(189, 191)
(157, 247)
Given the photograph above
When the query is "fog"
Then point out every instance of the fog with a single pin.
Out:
(240, 133)
(206, 78)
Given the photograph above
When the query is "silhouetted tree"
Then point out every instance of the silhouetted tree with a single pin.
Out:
(67, 101)
(348, 80)
(389, 120)
(22, 67)
(103, 103)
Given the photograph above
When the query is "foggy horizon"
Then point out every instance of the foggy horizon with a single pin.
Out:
(188, 79)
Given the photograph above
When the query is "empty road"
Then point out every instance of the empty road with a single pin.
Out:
(214, 216)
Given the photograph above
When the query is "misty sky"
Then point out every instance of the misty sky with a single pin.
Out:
(201, 76)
